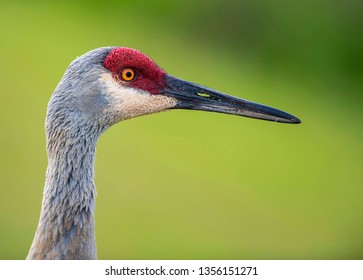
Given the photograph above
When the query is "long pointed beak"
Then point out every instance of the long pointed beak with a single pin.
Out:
(196, 97)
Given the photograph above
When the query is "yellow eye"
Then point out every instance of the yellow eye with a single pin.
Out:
(128, 74)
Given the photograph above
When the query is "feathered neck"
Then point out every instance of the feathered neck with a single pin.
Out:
(66, 225)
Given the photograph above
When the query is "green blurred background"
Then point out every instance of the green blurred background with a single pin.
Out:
(196, 185)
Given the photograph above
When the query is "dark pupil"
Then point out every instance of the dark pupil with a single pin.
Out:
(128, 74)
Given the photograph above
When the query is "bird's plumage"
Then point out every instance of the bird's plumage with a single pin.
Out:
(86, 102)
(66, 225)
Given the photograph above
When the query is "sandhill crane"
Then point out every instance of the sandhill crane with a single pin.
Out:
(99, 89)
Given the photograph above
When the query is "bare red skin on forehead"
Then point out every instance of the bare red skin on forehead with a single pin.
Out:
(149, 76)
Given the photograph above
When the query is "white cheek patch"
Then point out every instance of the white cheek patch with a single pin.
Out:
(127, 102)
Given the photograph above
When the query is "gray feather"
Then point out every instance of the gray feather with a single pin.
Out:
(74, 122)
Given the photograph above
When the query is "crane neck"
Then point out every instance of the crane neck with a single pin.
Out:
(66, 225)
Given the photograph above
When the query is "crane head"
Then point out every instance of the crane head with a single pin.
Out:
(151, 89)
(110, 84)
